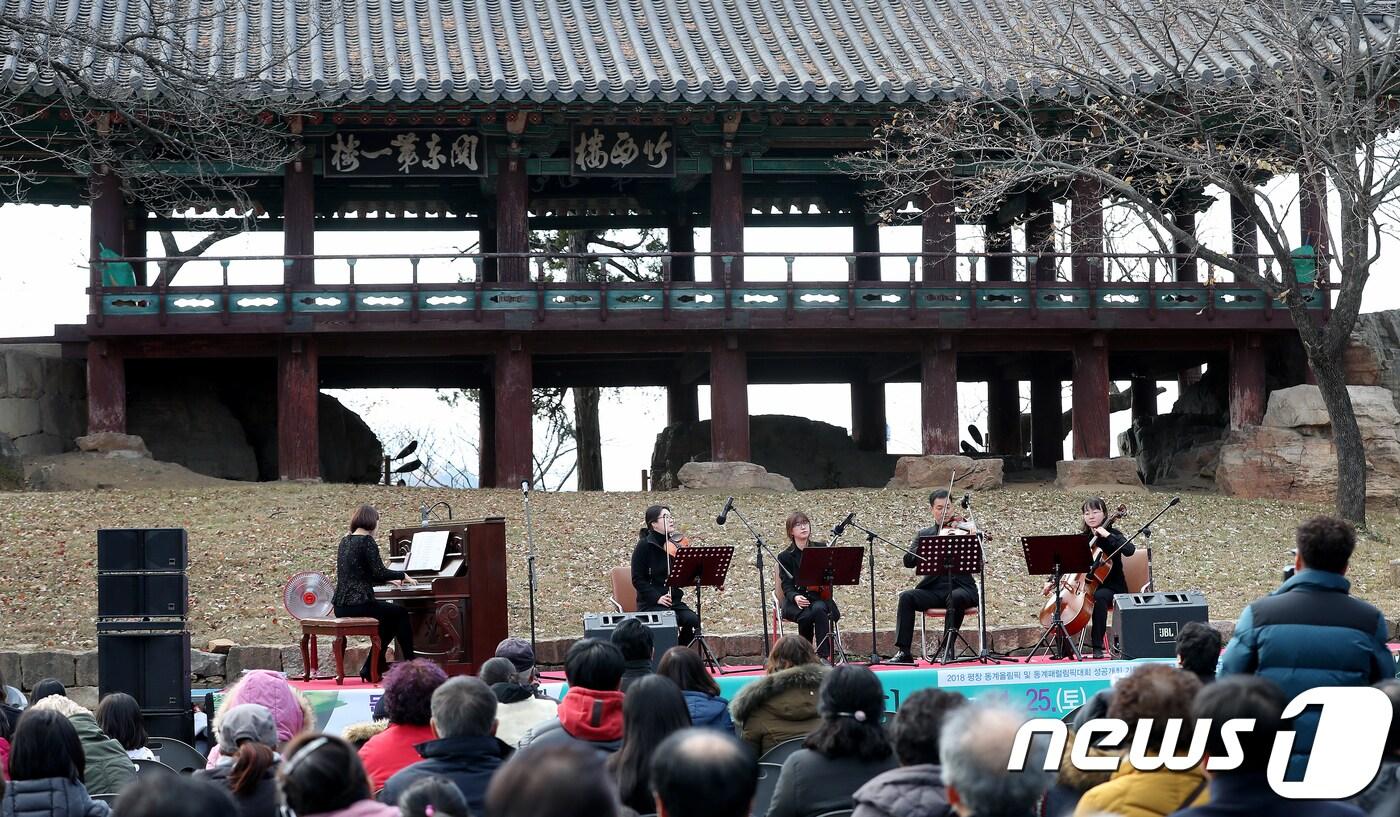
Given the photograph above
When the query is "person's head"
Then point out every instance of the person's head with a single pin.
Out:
(852, 705)
(653, 709)
(1198, 648)
(788, 652)
(1325, 543)
(798, 526)
(45, 745)
(464, 707)
(247, 734)
(592, 663)
(920, 722)
(658, 519)
(938, 502)
(703, 773)
(1242, 696)
(366, 518)
(1159, 693)
(45, 688)
(497, 671)
(686, 668)
(1391, 688)
(1093, 512)
(521, 654)
(407, 689)
(634, 639)
(321, 773)
(435, 795)
(289, 709)
(974, 749)
(555, 781)
(182, 796)
(119, 716)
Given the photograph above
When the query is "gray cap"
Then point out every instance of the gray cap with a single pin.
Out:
(518, 651)
(246, 722)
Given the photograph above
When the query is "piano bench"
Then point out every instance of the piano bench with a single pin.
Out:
(339, 629)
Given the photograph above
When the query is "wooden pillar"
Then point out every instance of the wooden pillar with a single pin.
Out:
(939, 393)
(1089, 401)
(940, 232)
(1246, 381)
(512, 221)
(1144, 394)
(682, 403)
(680, 233)
(299, 220)
(1244, 234)
(486, 244)
(865, 237)
(1047, 422)
(1004, 417)
(1312, 213)
(134, 241)
(1183, 260)
(105, 229)
(1086, 229)
(486, 444)
(513, 379)
(298, 396)
(106, 388)
(727, 218)
(868, 415)
(998, 241)
(729, 402)
(1040, 238)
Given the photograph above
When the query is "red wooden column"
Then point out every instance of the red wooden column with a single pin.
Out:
(865, 237)
(1040, 237)
(727, 217)
(1244, 234)
(1086, 229)
(868, 415)
(1246, 381)
(998, 241)
(298, 395)
(513, 378)
(939, 392)
(1004, 417)
(680, 234)
(134, 241)
(1144, 393)
(1089, 401)
(512, 219)
(940, 232)
(1312, 213)
(486, 244)
(1047, 422)
(106, 228)
(299, 220)
(682, 403)
(729, 402)
(486, 453)
(1184, 265)
(106, 388)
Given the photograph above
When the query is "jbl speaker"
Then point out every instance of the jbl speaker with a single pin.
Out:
(141, 549)
(1147, 623)
(142, 595)
(152, 667)
(662, 625)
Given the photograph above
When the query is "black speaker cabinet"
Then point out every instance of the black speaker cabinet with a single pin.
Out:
(662, 625)
(170, 724)
(1146, 624)
(142, 595)
(139, 549)
(152, 667)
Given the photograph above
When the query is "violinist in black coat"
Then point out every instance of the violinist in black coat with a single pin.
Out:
(1109, 541)
(651, 565)
(952, 592)
(804, 605)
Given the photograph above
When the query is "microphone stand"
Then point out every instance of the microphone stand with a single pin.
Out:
(984, 655)
(759, 547)
(871, 537)
(530, 560)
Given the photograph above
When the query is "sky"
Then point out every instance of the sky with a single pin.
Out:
(43, 276)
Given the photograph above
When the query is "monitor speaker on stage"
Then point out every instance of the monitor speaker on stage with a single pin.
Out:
(662, 625)
(128, 550)
(152, 667)
(1146, 624)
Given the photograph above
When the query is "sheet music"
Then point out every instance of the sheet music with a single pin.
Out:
(428, 549)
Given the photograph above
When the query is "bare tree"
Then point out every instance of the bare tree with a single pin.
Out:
(1226, 94)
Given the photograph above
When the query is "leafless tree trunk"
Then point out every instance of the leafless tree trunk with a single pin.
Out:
(587, 429)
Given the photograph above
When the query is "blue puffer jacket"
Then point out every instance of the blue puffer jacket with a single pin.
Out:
(50, 797)
(1310, 633)
(709, 710)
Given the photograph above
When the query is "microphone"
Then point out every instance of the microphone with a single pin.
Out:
(423, 515)
(841, 528)
(525, 487)
(724, 513)
(966, 500)
(1175, 500)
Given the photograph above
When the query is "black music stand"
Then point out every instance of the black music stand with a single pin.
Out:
(701, 566)
(944, 556)
(1054, 556)
(830, 566)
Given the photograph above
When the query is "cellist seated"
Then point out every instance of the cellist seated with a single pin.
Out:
(812, 608)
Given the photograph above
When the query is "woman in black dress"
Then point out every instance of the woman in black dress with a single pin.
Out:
(802, 604)
(651, 564)
(358, 568)
(1110, 541)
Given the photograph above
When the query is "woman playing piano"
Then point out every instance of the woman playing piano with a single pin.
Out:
(813, 610)
(651, 564)
(358, 568)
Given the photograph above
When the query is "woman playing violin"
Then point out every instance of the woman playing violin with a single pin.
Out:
(813, 608)
(1109, 545)
(651, 565)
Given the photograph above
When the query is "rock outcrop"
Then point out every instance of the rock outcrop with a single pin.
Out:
(731, 477)
(1184, 443)
(43, 399)
(934, 470)
(1101, 475)
(114, 445)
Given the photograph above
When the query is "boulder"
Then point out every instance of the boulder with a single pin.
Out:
(1170, 446)
(189, 424)
(1373, 357)
(1113, 475)
(107, 442)
(85, 696)
(41, 445)
(259, 656)
(58, 664)
(221, 645)
(204, 664)
(731, 477)
(85, 672)
(934, 470)
(62, 417)
(10, 668)
(11, 465)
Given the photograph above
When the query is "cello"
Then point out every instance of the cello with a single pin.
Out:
(1077, 591)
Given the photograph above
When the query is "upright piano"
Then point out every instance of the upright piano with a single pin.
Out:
(458, 605)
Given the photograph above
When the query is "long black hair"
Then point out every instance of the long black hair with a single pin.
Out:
(652, 709)
(119, 715)
(685, 667)
(46, 745)
(322, 773)
(653, 513)
(852, 706)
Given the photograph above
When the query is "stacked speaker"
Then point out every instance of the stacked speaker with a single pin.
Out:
(143, 639)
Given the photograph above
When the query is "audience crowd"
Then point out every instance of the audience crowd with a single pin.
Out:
(803, 740)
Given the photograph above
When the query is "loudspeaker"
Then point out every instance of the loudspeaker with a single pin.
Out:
(141, 549)
(662, 625)
(1147, 623)
(178, 725)
(142, 595)
(152, 667)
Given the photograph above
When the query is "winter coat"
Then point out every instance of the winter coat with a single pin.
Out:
(391, 750)
(812, 783)
(4, 759)
(634, 670)
(1071, 783)
(1385, 785)
(779, 707)
(363, 808)
(1310, 633)
(50, 797)
(1248, 794)
(909, 791)
(358, 568)
(1131, 793)
(108, 769)
(519, 709)
(709, 710)
(467, 761)
(587, 717)
(260, 802)
(290, 710)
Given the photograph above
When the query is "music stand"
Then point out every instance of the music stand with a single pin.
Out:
(1055, 556)
(701, 566)
(944, 556)
(830, 566)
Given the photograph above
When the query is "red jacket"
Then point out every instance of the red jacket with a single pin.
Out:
(391, 750)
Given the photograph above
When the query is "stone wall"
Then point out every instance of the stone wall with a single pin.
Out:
(43, 399)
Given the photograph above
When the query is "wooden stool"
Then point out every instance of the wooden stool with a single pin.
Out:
(339, 629)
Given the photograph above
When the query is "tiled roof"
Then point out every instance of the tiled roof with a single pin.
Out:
(608, 51)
